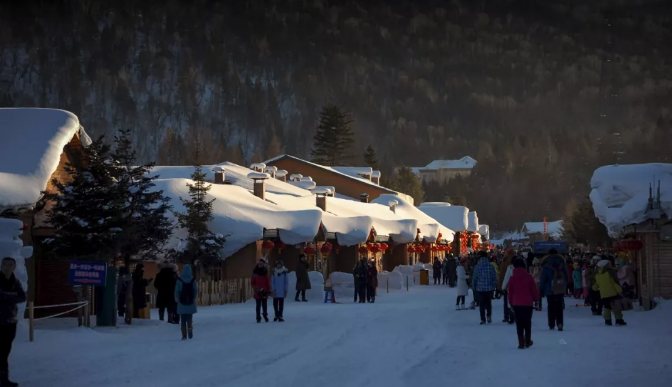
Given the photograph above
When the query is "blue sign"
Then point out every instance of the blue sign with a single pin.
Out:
(544, 247)
(87, 273)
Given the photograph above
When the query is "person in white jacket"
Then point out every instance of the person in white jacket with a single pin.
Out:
(505, 283)
(462, 286)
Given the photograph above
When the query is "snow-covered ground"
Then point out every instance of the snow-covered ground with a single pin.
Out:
(405, 339)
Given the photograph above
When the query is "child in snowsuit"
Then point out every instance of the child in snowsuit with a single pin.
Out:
(279, 289)
(577, 275)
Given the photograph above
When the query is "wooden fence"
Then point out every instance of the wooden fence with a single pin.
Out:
(231, 291)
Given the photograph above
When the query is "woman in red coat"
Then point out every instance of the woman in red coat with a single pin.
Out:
(261, 284)
(522, 293)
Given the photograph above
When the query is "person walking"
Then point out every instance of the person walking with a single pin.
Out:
(165, 291)
(11, 294)
(140, 289)
(279, 289)
(535, 271)
(361, 273)
(444, 270)
(123, 281)
(372, 282)
(484, 283)
(436, 271)
(593, 295)
(504, 266)
(186, 294)
(606, 282)
(452, 270)
(522, 293)
(302, 278)
(261, 285)
(626, 278)
(577, 280)
(508, 312)
(553, 285)
(462, 286)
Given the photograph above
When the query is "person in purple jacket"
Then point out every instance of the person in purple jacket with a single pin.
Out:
(279, 289)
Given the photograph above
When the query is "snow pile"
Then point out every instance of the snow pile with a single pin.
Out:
(484, 230)
(453, 217)
(242, 217)
(408, 275)
(620, 193)
(554, 229)
(316, 291)
(392, 280)
(11, 245)
(429, 226)
(473, 221)
(30, 151)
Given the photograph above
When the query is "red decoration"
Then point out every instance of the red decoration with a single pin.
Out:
(631, 245)
(384, 247)
(280, 245)
(267, 245)
(411, 249)
(434, 248)
(309, 250)
(25, 226)
(374, 249)
(439, 236)
(363, 250)
(326, 248)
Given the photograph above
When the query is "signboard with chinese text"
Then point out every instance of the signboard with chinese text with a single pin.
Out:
(87, 273)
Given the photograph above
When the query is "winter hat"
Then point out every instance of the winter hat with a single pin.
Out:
(536, 261)
(603, 263)
(519, 262)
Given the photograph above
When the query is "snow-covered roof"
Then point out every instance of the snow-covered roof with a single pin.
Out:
(453, 217)
(620, 193)
(465, 162)
(305, 184)
(484, 230)
(554, 229)
(430, 228)
(473, 221)
(30, 151)
(355, 171)
(244, 217)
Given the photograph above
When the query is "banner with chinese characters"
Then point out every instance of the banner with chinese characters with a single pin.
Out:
(87, 273)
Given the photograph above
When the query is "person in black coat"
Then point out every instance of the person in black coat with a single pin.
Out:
(139, 289)
(165, 291)
(11, 294)
(452, 271)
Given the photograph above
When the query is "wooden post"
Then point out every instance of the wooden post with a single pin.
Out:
(388, 284)
(86, 315)
(406, 283)
(31, 321)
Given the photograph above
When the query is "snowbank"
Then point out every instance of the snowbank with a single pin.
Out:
(242, 217)
(473, 221)
(620, 193)
(30, 151)
(11, 245)
(392, 279)
(453, 217)
(316, 291)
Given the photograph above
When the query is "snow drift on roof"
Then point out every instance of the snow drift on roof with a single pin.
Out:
(355, 171)
(620, 193)
(484, 230)
(554, 229)
(473, 221)
(429, 227)
(464, 162)
(453, 217)
(243, 217)
(30, 151)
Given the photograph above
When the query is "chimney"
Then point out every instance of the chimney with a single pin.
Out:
(219, 175)
(258, 167)
(321, 198)
(375, 177)
(271, 171)
(259, 184)
(364, 197)
(296, 177)
(281, 175)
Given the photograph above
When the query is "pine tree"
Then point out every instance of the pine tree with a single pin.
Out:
(581, 225)
(406, 182)
(84, 212)
(371, 158)
(334, 137)
(142, 219)
(201, 247)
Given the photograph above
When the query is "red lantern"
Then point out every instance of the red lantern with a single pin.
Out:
(363, 250)
(439, 236)
(434, 248)
(374, 249)
(267, 245)
(309, 250)
(326, 248)
(411, 249)
(631, 245)
(384, 247)
(280, 245)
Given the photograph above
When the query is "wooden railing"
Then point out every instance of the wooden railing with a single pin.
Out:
(230, 291)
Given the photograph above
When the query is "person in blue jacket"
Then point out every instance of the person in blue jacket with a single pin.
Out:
(186, 292)
(553, 285)
(279, 289)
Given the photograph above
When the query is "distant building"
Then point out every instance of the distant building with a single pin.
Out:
(443, 171)
(535, 230)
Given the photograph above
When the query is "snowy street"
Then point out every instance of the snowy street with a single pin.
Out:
(404, 339)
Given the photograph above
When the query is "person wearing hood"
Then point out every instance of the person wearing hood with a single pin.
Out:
(522, 293)
(606, 282)
(436, 271)
(261, 285)
(451, 267)
(484, 282)
(139, 289)
(462, 286)
(165, 291)
(508, 312)
(594, 299)
(302, 278)
(11, 294)
(504, 266)
(553, 285)
(279, 289)
(535, 272)
(186, 294)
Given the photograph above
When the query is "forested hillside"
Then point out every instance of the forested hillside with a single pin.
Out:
(539, 92)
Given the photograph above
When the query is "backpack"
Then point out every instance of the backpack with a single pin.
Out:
(559, 284)
(187, 293)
